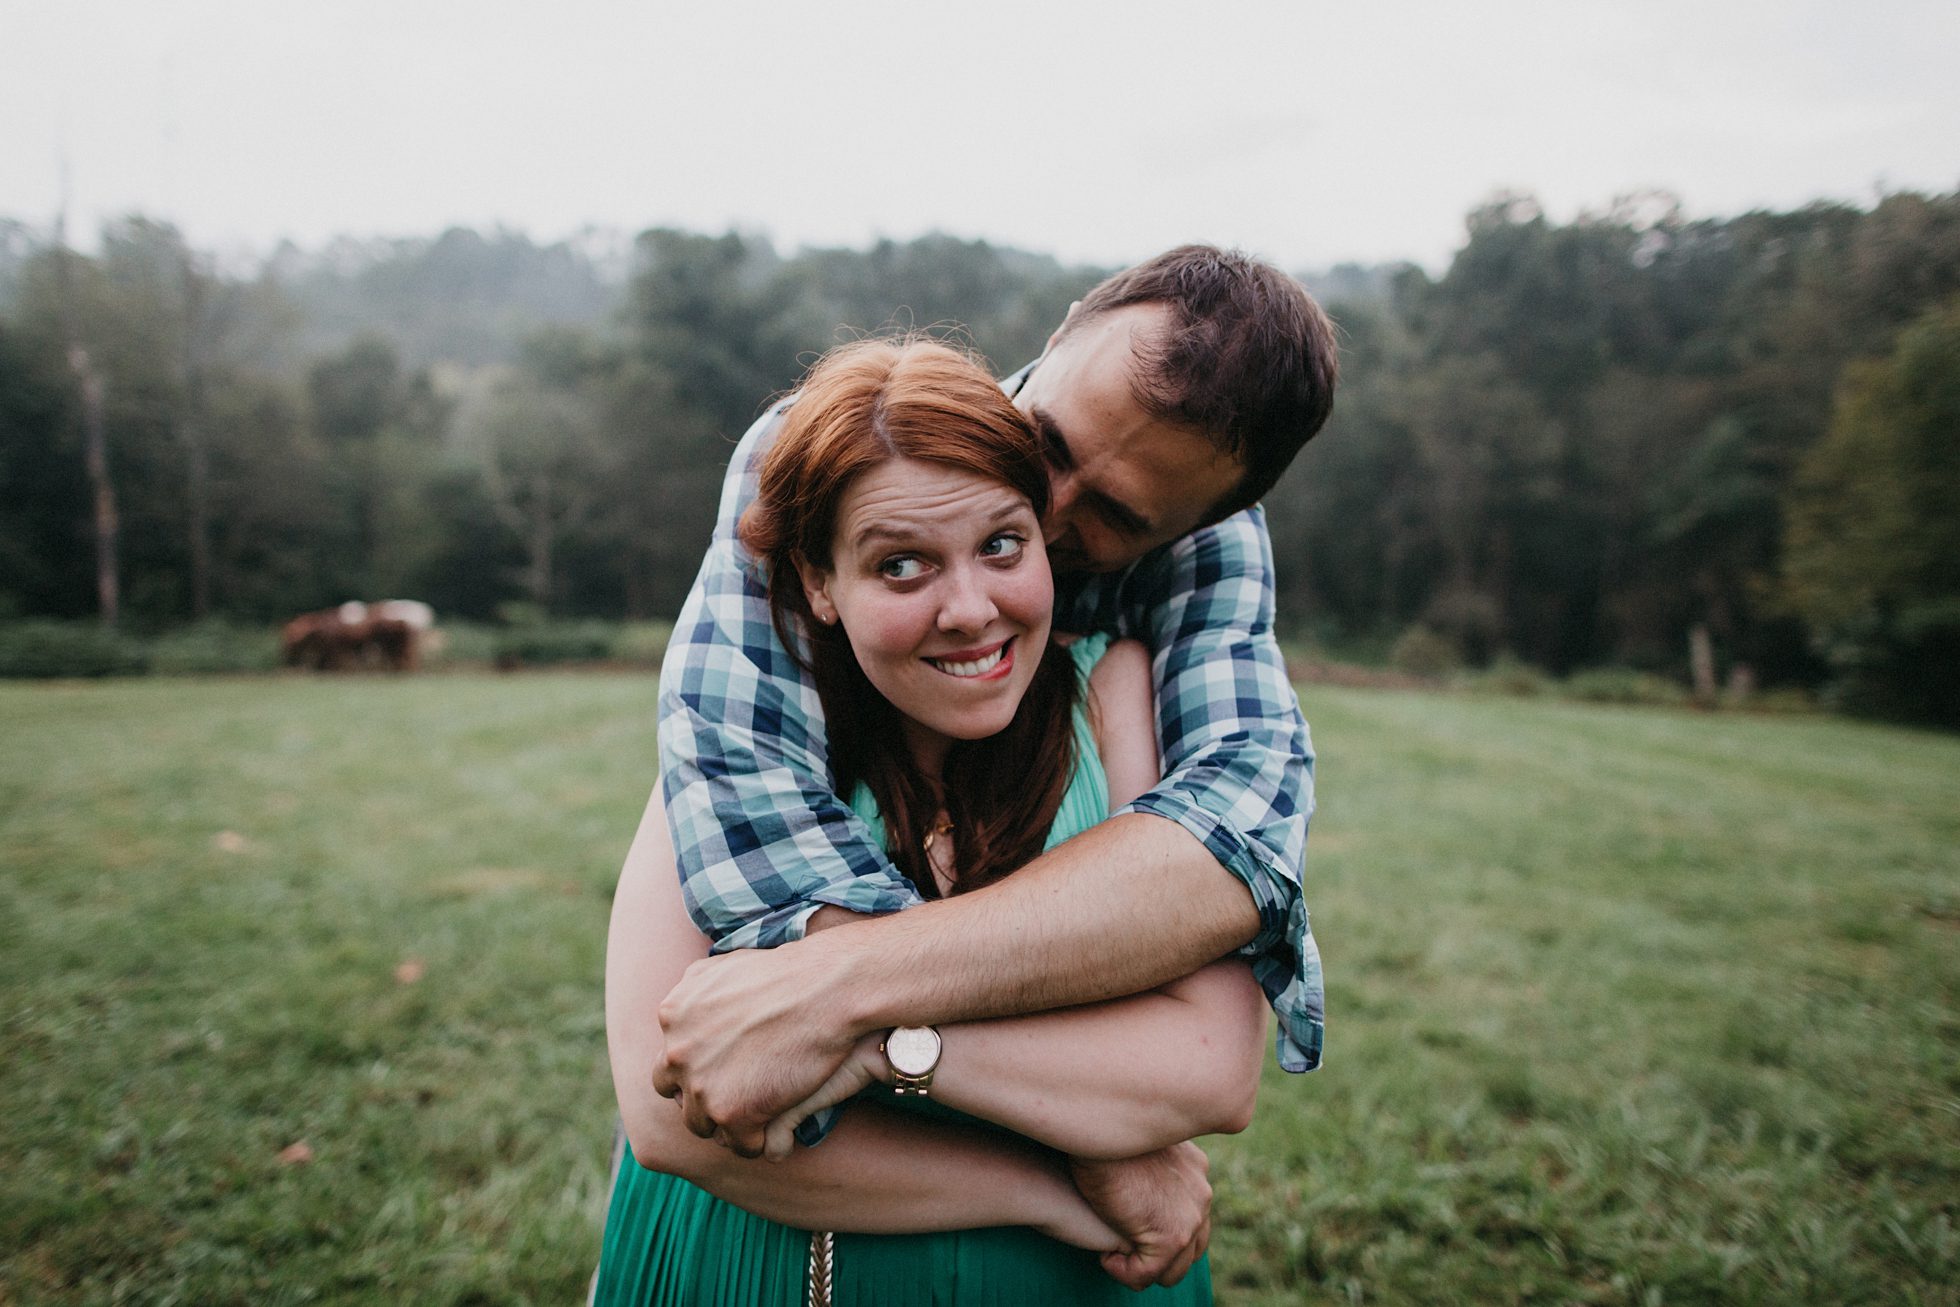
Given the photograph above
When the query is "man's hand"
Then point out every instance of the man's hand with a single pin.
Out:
(863, 1067)
(749, 1035)
(1160, 1203)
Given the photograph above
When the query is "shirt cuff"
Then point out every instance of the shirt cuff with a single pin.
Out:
(1275, 892)
(792, 921)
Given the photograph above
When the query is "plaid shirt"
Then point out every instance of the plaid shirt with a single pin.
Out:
(763, 840)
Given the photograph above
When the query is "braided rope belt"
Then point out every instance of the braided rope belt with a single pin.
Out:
(820, 1266)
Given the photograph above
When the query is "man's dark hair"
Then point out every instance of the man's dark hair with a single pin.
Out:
(1248, 358)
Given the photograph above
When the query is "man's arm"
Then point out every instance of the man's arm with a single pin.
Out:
(1237, 755)
(1104, 1081)
(882, 1171)
(750, 1034)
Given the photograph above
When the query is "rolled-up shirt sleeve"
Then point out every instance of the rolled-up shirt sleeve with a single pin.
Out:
(1238, 759)
(760, 836)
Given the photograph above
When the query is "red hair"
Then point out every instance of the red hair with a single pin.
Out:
(863, 405)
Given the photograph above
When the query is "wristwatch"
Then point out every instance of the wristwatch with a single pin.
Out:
(913, 1054)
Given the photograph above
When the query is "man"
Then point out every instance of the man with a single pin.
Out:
(1170, 400)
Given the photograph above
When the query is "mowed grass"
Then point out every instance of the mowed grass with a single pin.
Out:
(1624, 1006)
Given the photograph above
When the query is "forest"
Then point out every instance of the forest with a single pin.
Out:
(1724, 451)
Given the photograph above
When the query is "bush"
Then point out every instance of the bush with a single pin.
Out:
(1420, 651)
(454, 643)
(642, 644)
(213, 646)
(1783, 699)
(543, 643)
(1623, 685)
(1507, 675)
(49, 649)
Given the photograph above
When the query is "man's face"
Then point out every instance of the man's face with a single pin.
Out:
(1123, 482)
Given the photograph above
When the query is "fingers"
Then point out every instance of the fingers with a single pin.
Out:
(1187, 1256)
(696, 1116)
(744, 1141)
(779, 1137)
(1128, 1270)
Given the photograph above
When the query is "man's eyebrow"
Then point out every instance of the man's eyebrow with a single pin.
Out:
(1055, 445)
(1053, 442)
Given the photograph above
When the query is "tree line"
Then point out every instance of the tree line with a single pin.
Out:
(1724, 447)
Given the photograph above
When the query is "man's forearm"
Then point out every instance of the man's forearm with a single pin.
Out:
(1128, 905)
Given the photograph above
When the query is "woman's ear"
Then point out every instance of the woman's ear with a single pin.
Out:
(816, 590)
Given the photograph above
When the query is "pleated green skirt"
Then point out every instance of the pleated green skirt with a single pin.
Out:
(670, 1244)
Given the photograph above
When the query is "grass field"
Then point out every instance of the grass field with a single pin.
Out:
(1624, 1006)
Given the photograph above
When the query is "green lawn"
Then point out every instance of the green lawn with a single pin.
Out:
(1624, 1006)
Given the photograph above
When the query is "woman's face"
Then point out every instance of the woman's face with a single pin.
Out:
(940, 581)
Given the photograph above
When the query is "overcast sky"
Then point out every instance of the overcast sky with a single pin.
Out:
(1098, 130)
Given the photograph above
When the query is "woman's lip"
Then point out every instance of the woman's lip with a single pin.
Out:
(1003, 666)
(969, 655)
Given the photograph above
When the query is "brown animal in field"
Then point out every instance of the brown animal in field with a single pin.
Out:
(389, 634)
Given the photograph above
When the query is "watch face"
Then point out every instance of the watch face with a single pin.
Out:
(913, 1050)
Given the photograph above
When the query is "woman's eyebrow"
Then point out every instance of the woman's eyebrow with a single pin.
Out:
(883, 531)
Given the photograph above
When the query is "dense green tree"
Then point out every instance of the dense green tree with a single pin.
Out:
(44, 494)
(1874, 542)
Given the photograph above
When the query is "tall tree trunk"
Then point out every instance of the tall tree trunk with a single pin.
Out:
(540, 569)
(95, 444)
(95, 439)
(1701, 663)
(197, 454)
(197, 459)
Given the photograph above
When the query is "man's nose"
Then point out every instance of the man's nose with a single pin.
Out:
(967, 604)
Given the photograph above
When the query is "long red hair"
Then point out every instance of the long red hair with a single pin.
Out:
(863, 405)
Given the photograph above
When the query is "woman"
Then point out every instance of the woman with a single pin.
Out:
(899, 514)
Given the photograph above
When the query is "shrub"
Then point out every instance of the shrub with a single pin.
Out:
(1508, 675)
(642, 644)
(543, 643)
(48, 649)
(1783, 699)
(212, 646)
(454, 643)
(1623, 685)
(1421, 651)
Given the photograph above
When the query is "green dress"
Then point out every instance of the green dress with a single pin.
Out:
(671, 1244)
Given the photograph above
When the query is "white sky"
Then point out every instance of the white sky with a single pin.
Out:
(1099, 130)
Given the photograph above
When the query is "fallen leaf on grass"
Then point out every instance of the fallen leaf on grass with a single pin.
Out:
(410, 971)
(229, 841)
(298, 1154)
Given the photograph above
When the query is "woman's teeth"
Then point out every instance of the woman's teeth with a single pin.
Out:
(978, 667)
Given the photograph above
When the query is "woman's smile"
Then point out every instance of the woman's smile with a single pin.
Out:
(989, 663)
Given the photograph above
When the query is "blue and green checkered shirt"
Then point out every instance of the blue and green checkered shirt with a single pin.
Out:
(763, 840)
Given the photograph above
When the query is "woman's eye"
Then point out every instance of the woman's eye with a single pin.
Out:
(900, 569)
(1003, 546)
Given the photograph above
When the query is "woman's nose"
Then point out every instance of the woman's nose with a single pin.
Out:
(967, 605)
